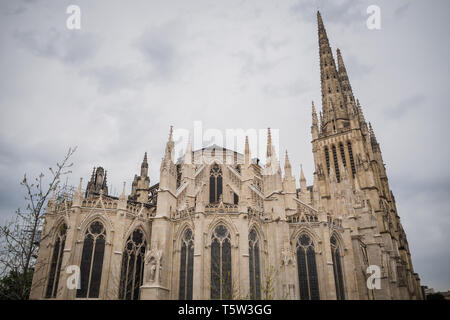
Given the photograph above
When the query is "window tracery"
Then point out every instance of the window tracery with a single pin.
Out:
(186, 266)
(132, 272)
(92, 261)
(215, 184)
(254, 265)
(221, 285)
(55, 265)
(307, 269)
(337, 268)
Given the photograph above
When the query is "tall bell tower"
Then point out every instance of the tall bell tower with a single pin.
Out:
(351, 181)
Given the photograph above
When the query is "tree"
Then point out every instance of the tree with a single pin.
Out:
(19, 238)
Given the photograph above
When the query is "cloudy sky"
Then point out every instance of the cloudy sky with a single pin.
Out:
(134, 68)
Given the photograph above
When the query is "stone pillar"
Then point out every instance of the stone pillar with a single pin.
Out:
(158, 262)
(330, 293)
(199, 257)
(244, 259)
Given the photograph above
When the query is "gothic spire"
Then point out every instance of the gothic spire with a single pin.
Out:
(93, 175)
(144, 162)
(247, 152)
(332, 93)
(144, 166)
(169, 146)
(188, 153)
(314, 116)
(122, 195)
(287, 164)
(80, 186)
(302, 174)
(269, 143)
(343, 76)
(302, 180)
(104, 180)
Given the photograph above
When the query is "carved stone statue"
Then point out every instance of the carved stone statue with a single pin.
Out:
(287, 257)
(153, 263)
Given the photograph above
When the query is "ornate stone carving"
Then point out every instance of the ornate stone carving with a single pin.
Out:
(153, 265)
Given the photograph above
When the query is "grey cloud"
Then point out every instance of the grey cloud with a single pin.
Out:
(299, 87)
(339, 12)
(111, 79)
(67, 47)
(401, 10)
(252, 64)
(159, 46)
(355, 68)
(405, 106)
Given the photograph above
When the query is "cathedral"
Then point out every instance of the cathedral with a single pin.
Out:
(220, 225)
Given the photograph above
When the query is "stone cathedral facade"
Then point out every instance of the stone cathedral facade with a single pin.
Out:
(219, 225)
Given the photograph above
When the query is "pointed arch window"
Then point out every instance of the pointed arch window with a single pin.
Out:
(307, 269)
(327, 159)
(254, 265)
(92, 261)
(336, 164)
(337, 268)
(55, 265)
(350, 154)
(221, 285)
(341, 149)
(235, 198)
(186, 266)
(215, 184)
(132, 272)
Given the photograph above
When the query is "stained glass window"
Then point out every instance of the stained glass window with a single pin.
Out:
(327, 159)
(132, 272)
(221, 280)
(336, 164)
(307, 269)
(254, 265)
(55, 265)
(337, 268)
(341, 148)
(92, 261)
(215, 184)
(350, 154)
(186, 266)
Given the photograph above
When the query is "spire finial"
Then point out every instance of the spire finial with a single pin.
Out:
(302, 175)
(169, 147)
(144, 166)
(314, 115)
(303, 186)
(122, 195)
(269, 143)
(188, 153)
(93, 174)
(287, 164)
(247, 151)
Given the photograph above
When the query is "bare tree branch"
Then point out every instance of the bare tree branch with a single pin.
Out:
(19, 239)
